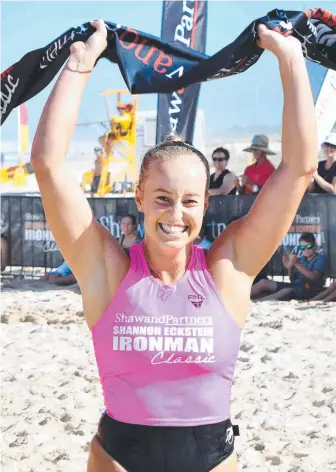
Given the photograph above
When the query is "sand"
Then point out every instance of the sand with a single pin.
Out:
(283, 397)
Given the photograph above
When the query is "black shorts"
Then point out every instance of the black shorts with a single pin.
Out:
(299, 292)
(281, 285)
(140, 448)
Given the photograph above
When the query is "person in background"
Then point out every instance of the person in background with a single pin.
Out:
(98, 169)
(129, 234)
(256, 175)
(60, 276)
(222, 181)
(121, 124)
(306, 274)
(324, 179)
(328, 295)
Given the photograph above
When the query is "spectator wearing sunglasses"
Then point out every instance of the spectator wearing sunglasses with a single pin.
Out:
(324, 179)
(222, 181)
(306, 274)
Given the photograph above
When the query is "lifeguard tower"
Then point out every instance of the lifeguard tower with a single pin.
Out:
(118, 162)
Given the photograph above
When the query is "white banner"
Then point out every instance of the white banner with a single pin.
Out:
(325, 107)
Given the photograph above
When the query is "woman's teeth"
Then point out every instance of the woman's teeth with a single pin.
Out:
(173, 229)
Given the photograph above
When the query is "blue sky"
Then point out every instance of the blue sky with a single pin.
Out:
(251, 98)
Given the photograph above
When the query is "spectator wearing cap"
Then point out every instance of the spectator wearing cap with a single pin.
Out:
(256, 175)
(324, 179)
(222, 181)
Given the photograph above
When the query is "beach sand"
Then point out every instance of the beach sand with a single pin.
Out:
(283, 398)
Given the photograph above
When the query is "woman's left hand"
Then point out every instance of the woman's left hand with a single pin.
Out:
(276, 43)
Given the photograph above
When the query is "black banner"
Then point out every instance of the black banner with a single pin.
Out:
(183, 22)
(152, 65)
(31, 243)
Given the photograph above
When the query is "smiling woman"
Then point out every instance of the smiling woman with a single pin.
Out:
(172, 194)
(167, 390)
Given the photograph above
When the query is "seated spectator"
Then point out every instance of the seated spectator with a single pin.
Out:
(256, 175)
(222, 182)
(261, 276)
(129, 235)
(328, 295)
(121, 124)
(324, 179)
(204, 237)
(306, 274)
(60, 276)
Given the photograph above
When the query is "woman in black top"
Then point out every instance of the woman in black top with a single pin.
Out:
(324, 180)
(129, 234)
(222, 181)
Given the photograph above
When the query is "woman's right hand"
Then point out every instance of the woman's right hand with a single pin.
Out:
(87, 53)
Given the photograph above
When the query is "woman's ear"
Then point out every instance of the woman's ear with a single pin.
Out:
(139, 198)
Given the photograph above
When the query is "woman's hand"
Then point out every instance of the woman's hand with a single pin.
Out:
(276, 43)
(87, 53)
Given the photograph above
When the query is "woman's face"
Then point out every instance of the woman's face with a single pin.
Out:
(173, 201)
(127, 226)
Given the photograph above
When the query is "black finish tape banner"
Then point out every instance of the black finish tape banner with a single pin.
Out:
(185, 24)
(151, 65)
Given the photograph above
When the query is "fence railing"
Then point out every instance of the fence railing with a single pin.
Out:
(31, 243)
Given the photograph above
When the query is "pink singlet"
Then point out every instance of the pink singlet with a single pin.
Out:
(166, 354)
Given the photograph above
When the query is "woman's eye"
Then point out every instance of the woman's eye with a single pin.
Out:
(163, 199)
(190, 202)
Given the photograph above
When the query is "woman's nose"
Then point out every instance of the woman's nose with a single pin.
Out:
(177, 210)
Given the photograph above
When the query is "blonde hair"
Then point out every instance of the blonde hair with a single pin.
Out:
(173, 146)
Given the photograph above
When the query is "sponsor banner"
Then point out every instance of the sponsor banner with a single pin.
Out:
(325, 106)
(151, 65)
(183, 22)
(31, 243)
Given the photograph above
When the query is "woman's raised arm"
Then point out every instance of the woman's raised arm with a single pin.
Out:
(83, 242)
(253, 240)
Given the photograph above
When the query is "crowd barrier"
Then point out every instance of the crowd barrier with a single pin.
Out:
(31, 243)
